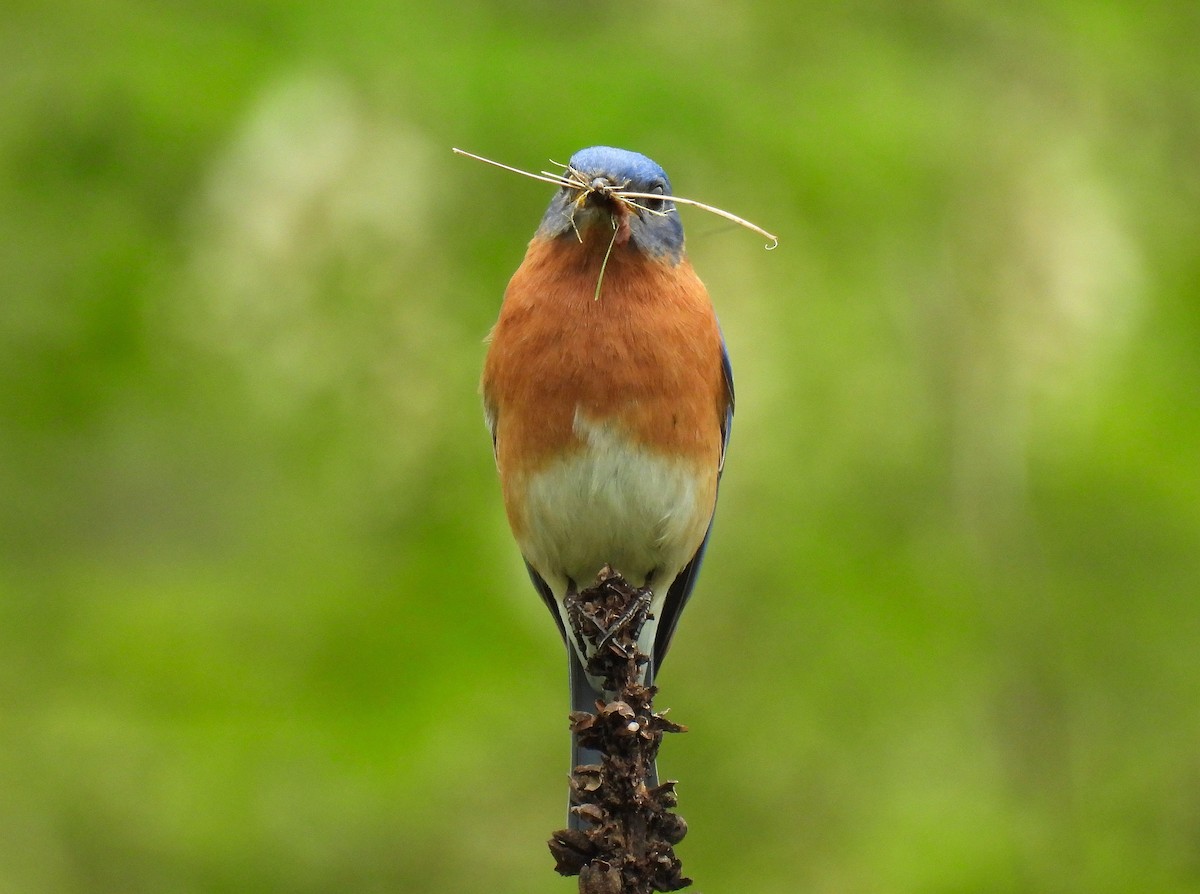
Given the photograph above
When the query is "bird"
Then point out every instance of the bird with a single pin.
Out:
(609, 395)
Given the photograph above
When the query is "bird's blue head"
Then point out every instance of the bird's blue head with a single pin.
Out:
(653, 228)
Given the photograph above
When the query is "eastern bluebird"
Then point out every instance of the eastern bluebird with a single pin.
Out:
(609, 406)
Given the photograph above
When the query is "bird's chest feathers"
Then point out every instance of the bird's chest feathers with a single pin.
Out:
(643, 358)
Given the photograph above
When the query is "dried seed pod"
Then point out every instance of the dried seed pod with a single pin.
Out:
(672, 827)
(571, 849)
(600, 877)
(593, 813)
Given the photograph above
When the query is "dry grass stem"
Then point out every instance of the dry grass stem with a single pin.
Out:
(574, 179)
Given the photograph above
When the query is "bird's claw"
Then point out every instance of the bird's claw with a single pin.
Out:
(635, 615)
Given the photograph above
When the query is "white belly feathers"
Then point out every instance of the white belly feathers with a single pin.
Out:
(612, 503)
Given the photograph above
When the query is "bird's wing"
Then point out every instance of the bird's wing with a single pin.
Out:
(677, 597)
(489, 418)
(727, 421)
(548, 597)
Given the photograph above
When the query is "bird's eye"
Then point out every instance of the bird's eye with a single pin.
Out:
(655, 204)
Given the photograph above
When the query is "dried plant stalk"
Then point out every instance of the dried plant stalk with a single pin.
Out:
(628, 844)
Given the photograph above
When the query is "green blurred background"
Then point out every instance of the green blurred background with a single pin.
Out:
(262, 627)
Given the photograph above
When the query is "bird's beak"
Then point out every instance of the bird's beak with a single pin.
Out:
(597, 195)
(596, 205)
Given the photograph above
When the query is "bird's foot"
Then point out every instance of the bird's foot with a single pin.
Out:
(633, 617)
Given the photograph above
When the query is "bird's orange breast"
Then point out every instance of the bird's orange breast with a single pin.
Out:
(644, 357)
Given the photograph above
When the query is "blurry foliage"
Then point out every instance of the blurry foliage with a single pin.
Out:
(257, 599)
